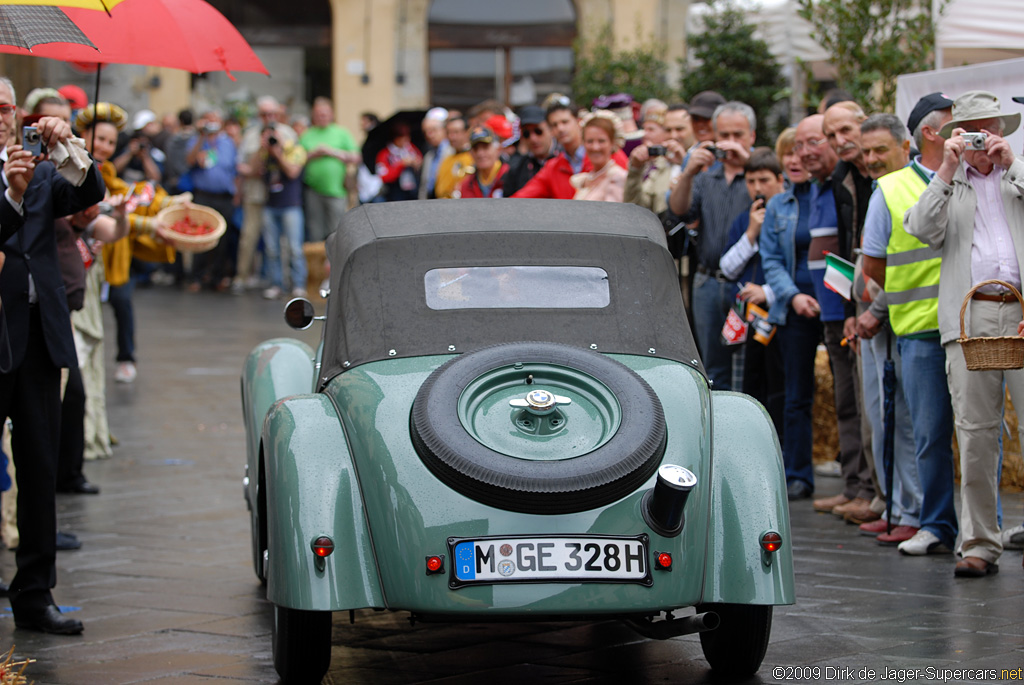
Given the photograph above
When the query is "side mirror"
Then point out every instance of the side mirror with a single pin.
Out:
(298, 313)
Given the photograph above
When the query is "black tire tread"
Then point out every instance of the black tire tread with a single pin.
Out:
(538, 487)
(738, 645)
(302, 645)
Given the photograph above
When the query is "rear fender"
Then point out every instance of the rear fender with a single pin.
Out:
(748, 498)
(273, 370)
(312, 490)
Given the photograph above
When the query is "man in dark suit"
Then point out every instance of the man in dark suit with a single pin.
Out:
(41, 342)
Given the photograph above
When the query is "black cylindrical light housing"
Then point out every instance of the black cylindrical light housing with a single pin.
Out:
(664, 505)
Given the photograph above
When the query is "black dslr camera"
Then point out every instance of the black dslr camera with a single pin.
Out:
(718, 152)
(272, 139)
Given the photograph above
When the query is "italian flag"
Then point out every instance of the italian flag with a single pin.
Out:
(838, 275)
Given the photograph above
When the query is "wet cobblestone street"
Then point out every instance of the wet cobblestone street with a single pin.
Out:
(165, 587)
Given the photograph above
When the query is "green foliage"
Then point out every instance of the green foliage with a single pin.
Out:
(872, 42)
(601, 70)
(731, 61)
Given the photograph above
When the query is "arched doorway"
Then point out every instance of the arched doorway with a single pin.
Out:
(517, 52)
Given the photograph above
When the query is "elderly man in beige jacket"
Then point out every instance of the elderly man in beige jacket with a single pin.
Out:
(973, 210)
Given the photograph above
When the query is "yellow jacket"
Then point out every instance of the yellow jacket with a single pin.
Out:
(451, 172)
(140, 241)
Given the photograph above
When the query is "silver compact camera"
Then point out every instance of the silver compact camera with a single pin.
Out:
(32, 141)
(975, 141)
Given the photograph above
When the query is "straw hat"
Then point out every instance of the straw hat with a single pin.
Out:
(101, 111)
(979, 104)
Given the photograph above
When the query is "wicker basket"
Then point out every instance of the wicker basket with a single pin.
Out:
(991, 354)
(191, 243)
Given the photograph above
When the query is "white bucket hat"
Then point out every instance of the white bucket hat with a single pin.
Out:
(979, 104)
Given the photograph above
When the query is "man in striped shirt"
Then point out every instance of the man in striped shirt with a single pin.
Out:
(713, 189)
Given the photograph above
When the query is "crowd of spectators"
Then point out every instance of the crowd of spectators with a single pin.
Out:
(922, 214)
(753, 227)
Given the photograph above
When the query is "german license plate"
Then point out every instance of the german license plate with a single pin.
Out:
(549, 559)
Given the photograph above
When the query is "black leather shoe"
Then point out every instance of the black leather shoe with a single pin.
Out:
(798, 490)
(67, 542)
(50, 620)
(5, 591)
(82, 488)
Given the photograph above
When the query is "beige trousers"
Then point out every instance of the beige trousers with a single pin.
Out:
(249, 238)
(978, 414)
(87, 326)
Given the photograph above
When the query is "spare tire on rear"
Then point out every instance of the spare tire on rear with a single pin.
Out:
(611, 471)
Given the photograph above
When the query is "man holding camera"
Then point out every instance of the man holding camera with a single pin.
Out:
(972, 210)
(253, 194)
(41, 343)
(139, 160)
(712, 188)
(211, 160)
(652, 168)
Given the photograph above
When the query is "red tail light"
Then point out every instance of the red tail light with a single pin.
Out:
(322, 546)
(771, 541)
(435, 564)
(663, 561)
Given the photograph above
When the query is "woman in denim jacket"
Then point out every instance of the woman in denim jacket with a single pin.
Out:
(784, 242)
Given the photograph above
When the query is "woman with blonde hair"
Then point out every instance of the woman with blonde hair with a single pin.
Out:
(789, 158)
(99, 125)
(602, 138)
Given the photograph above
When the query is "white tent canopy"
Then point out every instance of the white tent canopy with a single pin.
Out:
(973, 31)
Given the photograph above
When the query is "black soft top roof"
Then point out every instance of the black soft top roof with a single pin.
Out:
(381, 252)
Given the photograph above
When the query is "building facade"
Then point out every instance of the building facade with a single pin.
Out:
(388, 55)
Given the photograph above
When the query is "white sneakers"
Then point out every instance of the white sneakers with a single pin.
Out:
(1013, 538)
(829, 469)
(272, 293)
(299, 292)
(924, 542)
(125, 372)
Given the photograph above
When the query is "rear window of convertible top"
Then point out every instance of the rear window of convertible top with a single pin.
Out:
(517, 287)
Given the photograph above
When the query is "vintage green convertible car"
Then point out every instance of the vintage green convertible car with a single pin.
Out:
(507, 419)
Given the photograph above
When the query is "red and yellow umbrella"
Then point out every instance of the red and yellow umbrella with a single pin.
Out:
(181, 34)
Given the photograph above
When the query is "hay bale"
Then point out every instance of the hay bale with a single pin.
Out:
(826, 432)
(317, 267)
(823, 412)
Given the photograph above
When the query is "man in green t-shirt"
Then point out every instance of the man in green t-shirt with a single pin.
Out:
(329, 147)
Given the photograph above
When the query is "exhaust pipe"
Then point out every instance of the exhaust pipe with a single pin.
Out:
(669, 627)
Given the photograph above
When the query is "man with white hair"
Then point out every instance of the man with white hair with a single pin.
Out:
(971, 210)
(438, 149)
(851, 189)
(712, 188)
(41, 343)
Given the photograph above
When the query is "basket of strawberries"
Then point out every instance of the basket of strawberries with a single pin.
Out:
(191, 228)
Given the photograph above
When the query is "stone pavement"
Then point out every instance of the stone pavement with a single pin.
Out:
(165, 587)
